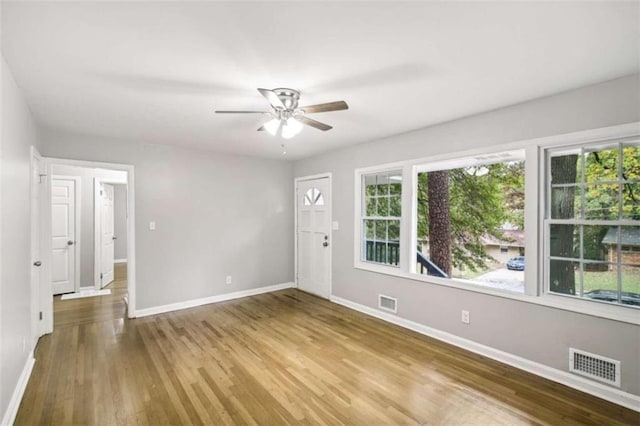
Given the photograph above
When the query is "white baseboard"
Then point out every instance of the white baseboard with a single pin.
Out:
(616, 396)
(120, 261)
(12, 410)
(211, 299)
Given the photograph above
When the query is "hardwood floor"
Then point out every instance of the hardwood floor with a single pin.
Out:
(91, 309)
(279, 358)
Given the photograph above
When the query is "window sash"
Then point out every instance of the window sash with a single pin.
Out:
(582, 150)
(391, 252)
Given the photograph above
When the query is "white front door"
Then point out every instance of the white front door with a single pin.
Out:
(106, 234)
(313, 236)
(63, 236)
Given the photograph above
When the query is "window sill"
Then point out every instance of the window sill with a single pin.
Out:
(624, 314)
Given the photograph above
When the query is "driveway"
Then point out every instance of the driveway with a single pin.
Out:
(503, 279)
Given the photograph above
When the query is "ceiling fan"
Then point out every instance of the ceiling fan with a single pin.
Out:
(287, 116)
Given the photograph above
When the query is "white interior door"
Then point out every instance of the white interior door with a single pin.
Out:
(63, 236)
(37, 168)
(106, 234)
(313, 234)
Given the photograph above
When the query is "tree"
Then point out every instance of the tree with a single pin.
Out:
(479, 200)
(601, 169)
(510, 178)
(561, 273)
(439, 220)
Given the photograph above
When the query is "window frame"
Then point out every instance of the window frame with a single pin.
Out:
(547, 221)
(365, 217)
(536, 290)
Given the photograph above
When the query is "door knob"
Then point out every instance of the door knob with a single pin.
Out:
(37, 263)
(69, 243)
(114, 238)
(325, 244)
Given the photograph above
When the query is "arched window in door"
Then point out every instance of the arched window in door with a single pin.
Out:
(313, 197)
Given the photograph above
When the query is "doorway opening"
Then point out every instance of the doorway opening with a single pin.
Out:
(87, 217)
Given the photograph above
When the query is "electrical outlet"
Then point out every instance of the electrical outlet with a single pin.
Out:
(465, 317)
(228, 281)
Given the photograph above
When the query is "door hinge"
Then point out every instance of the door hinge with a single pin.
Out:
(40, 315)
(101, 275)
(101, 192)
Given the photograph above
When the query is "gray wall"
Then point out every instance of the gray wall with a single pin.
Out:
(216, 215)
(120, 221)
(534, 332)
(87, 217)
(18, 133)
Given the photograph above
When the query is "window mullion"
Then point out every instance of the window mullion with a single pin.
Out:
(620, 201)
(531, 222)
(583, 188)
(619, 263)
(407, 236)
(582, 264)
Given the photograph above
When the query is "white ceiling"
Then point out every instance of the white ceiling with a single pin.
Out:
(155, 72)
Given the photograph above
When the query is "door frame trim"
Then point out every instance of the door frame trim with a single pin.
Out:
(297, 180)
(131, 242)
(77, 246)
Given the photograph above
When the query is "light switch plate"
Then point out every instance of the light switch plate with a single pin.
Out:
(152, 226)
(335, 225)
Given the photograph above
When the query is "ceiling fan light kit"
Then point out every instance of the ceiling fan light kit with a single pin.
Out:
(288, 118)
(272, 126)
(291, 127)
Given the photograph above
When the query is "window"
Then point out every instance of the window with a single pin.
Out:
(555, 221)
(592, 224)
(380, 217)
(313, 197)
(470, 220)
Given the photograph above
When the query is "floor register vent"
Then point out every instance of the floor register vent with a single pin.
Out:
(388, 303)
(595, 367)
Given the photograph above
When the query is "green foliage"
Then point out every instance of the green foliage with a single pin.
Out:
(601, 193)
(482, 200)
(510, 181)
(601, 190)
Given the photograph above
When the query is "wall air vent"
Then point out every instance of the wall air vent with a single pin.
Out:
(388, 303)
(595, 367)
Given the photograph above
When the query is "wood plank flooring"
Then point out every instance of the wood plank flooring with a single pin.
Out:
(280, 358)
(92, 309)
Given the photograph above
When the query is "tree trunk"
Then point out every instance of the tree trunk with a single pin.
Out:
(561, 273)
(439, 220)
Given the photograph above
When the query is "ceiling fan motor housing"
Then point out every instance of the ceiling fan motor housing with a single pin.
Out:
(289, 97)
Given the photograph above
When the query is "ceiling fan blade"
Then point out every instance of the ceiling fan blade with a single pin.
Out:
(242, 112)
(273, 99)
(313, 123)
(330, 106)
